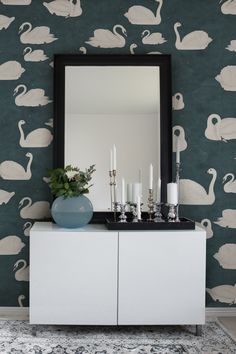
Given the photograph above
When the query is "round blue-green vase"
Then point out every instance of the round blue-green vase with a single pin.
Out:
(72, 212)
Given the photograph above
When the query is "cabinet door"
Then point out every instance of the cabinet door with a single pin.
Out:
(73, 278)
(161, 277)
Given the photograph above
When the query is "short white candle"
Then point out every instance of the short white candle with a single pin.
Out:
(129, 192)
(172, 193)
(151, 177)
(136, 191)
(158, 193)
(114, 157)
(139, 208)
(111, 160)
(177, 150)
(123, 197)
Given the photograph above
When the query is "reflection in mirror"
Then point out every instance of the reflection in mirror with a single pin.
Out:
(107, 105)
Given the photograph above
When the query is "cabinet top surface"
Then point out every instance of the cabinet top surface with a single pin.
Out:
(52, 227)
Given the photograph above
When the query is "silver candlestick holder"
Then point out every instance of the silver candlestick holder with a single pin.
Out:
(171, 213)
(133, 210)
(150, 204)
(122, 217)
(113, 185)
(158, 217)
(177, 178)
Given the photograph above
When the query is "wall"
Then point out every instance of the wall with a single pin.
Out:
(206, 77)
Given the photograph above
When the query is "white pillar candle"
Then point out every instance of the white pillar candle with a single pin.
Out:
(139, 208)
(172, 193)
(150, 176)
(123, 197)
(129, 192)
(158, 191)
(114, 157)
(136, 191)
(177, 150)
(111, 160)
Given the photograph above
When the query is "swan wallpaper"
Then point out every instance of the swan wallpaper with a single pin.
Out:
(200, 36)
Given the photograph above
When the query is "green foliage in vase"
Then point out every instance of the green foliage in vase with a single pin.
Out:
(70, 181)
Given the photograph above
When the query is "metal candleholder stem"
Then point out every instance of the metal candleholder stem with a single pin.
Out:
(172, 213)
(158, 214)
(150, 204)
(178, 169)
(111, 188)
(122, 217)
(115, 204)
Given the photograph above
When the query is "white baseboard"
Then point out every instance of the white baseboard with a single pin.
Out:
(22, 313)
(14, 313)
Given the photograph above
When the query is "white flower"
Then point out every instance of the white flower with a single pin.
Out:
(71, 174)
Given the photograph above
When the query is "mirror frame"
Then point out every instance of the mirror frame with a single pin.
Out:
(164, 64)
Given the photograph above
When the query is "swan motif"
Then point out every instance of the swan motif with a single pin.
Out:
(38, 210)
(141, 15)
(227, 78)
(20, 300)
(64, 8)
(232, 46)
(104, 38)
(228, 7)
(27, 227)
(5, 196)
(196, 40)
(192, 193)
(152, 38)
(226, 256)
(223, 293)
(16, 2)
(37, 35)
(220, 129)
(5, 21)
(34, 55)
(11, 70)
(132, 47)
(21, 274)
(228, 219)
(41, 137)
(178, 102)
(32, 98)
(206, 225)
(46, 179)
(230, 185)
(179, 137)
(50, 123)
(10, 245)
(12, 170)
(83, 50)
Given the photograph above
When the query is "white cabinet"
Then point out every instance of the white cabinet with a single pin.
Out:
(161, 277)
(73, 275)
(95, 276)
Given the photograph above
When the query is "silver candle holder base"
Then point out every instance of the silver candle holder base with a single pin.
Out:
(158, 217)
(122, 217)
(150, 205)
(171, 213)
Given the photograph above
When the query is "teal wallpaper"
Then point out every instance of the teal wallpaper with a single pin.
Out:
(201, 37)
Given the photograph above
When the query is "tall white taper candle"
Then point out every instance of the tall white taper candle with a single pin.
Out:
(151, 176)
(177, 150)
(114, 157)
(111, 160)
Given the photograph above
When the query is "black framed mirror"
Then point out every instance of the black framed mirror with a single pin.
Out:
(101, 100)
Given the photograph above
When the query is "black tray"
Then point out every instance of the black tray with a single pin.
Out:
(183, 224)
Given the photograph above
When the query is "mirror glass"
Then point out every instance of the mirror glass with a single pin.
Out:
(107, 105)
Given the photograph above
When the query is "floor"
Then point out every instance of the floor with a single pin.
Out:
(229, 324)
